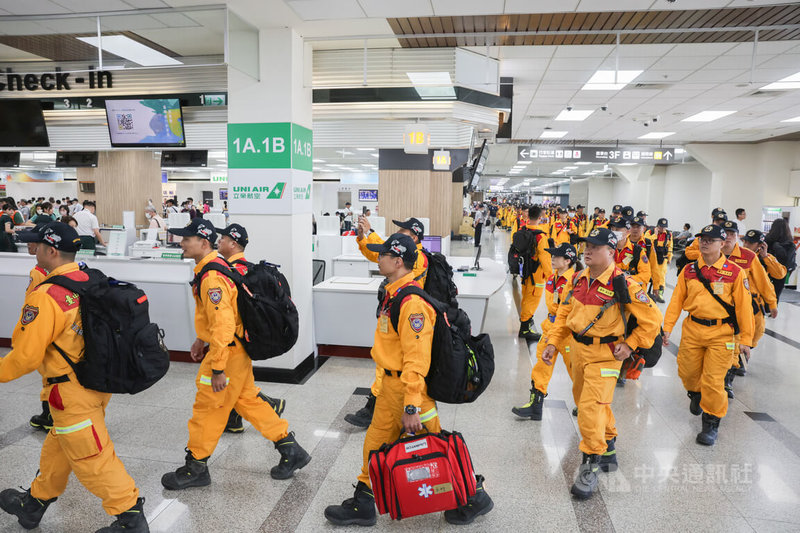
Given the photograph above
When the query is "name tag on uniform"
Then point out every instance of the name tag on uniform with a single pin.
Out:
(383, 324)
(603, 290)
(725, 273)
(627, 260)
(719, 287)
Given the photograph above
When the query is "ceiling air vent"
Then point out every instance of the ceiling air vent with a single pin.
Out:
(766, 94)
(745, 131)
(649, 86)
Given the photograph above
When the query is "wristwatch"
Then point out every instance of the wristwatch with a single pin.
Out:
(412, 409)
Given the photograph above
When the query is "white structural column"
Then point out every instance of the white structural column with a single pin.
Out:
(269, 176)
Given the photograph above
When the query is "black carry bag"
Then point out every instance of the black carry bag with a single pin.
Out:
(439, 278)
(522, 257)
(462, 366)
(650, 354)
(269, 316)
(124, 352)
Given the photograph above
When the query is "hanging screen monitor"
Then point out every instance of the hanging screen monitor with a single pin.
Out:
(141, 123)
(22, 124)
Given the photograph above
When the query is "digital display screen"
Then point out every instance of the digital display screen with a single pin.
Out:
(154, 122)
(368, 195)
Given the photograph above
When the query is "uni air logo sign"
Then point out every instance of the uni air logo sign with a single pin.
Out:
(259, 192)
(302, 193)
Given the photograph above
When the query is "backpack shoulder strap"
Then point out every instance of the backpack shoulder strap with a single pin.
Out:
(730, 309)
(396, 302)
(216, 267)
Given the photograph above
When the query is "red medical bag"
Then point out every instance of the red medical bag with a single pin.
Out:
(422, 474)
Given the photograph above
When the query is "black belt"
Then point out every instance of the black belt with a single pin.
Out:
(587, 340)
(709, 323)
(58, 379)
(395, 373)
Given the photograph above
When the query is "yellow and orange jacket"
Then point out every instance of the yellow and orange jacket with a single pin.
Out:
(407, 349)
(662, 241)
(50, 315)
(554, 294)
(690, 295)
(542, 255)
(420, 266)
(774, 269)
(596, 223)
(37, 275)
(761, 287)
(624, 257)
(584, 301)
(216, 315)
(560, 231)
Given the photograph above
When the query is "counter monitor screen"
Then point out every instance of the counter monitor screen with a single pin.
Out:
(22, 124)
(368, 195)
(432, 243)
(137, 123)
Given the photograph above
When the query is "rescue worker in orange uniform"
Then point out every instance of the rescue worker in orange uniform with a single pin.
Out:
(591, 314)
(562, 227)
(415, 229)
(403, 405)
(718, 217)
(638, 236)
(232, 242)
(225, 377)
(709, 334)
(600, 221)
(564, 262)
(756, 242)
(533, 286)
(662, 249)
(637, 265)
(78, 442)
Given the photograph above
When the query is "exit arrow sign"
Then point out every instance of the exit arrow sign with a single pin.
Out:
(214, 99)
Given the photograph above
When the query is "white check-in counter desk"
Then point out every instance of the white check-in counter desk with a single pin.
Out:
(344, 306)
(166, 283)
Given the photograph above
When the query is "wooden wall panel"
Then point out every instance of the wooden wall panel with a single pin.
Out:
(456, 205)
(441, 204)
(124, 181)
(416, 193)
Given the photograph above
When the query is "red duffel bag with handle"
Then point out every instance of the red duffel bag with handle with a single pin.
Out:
(422, 474)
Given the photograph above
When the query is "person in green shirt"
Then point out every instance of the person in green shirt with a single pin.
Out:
(44, 212)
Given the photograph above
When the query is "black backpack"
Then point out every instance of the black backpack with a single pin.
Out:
(461, 365)
(124, 352)
(439, 278)
(269, 316)
(522, 257)
(650, 354)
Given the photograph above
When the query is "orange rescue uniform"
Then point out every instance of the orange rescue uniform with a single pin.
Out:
(624, 259)
(708, 342)
(532, 289)
(761, 288)
(553, 295)
(594, 368)
(662, 246)
(79, 441)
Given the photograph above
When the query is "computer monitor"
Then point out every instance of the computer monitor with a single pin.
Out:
(477, 265)
(432, 243)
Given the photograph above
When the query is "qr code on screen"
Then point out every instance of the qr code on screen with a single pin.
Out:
(124, 121)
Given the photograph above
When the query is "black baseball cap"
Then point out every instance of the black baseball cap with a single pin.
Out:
(601, 210)
(561, 210)
(641, 214)
(564, 249)
(198, 227)
(600, 236)
(638, 221)
(399, 245)
(662, 223)
(579, 206)
(730, 225)
(235, 232)
(627, 211)
(412, 224)
(716, 211)
(616, 209)
(715, 232)
(620, 222)
(60, 236)
(33, 234)
(754, 235)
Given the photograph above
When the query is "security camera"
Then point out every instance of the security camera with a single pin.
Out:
(569, 108)
(603, 108)
(646, 123)
(655, 119)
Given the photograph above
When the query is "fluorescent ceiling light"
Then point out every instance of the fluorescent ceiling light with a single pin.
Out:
(123, 46)
(588, 174)
(785, 84)
(627, 164)
(550, 134)
(365, 149)
(433, 85)
(582, 163)
(708, 116)
(610, 80)
(570, 168)
(319, 160)
(657, 135)
(575, 114)
(375, 155)
(795, 119)
(522, 163)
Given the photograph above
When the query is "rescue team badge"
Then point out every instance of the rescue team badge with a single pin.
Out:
(417, 321)
(29, 314)
(642, 297)
(215, 295)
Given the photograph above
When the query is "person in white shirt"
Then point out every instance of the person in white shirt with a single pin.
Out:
(88, 224)
(348, 217)
(74, 206)
(156, 222)
(741, 214)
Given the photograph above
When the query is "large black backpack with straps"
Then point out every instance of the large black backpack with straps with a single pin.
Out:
(523, 260)
(462, 366)
(123, 351)
(439, 279)
(270, 319)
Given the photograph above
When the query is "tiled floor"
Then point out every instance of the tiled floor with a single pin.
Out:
(749, 481)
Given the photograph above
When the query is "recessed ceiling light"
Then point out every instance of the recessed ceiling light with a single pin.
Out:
(657, 135)
(795, 119)
(570, 168)
(785, 84)
(319, 160)
(575, 114)
(551, 134)
(125, 47)
(582, 163)
(375, 155)
(365, 149)
(627, 164)
(610, 80)
(523, 163)
(708, 116)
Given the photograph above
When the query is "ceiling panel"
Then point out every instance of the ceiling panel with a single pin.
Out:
(453, 8)
(406, 8)
(89, 6)
(540, 6)
(39, 7)
(326, 9)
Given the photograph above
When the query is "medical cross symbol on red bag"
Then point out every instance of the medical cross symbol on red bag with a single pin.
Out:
(425, 491)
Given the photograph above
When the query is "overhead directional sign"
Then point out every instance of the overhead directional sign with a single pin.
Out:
(599, 154)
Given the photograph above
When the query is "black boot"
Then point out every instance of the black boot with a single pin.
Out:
(729, 382)
(532, 409)
(293, 457)
(363, 417)
(43, 421)
(234, 424)
(575, 411)
(661, 295)
(277, 404)
(526, 331)
(477, 505)
(608, 461)
(586, 482)
(358, 510)
(131, 521)
(26, 508)
(708, 436)
(694, 403)
(193, 474)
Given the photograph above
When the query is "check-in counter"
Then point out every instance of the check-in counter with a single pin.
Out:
(166, 283)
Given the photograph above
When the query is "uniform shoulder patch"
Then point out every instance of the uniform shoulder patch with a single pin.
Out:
(417, 321)
(215, 295)
(29, 314)
(746, 284)
(642, 297)
(65, 298)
